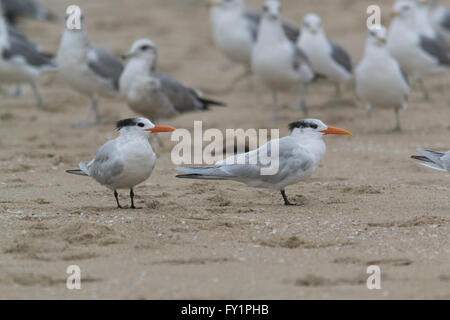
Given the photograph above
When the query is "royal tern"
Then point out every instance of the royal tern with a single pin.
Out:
(418, 54)
(433, 159)
(278, 62)
(235, 31)
(20, 60)
(126, 161)
(87, 68)
(299, 155)
(26, 8)
(326, 57)
(380, 81)
(152, 93)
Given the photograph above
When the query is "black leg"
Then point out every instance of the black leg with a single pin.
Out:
(132, 199)
(286, 201)
(117, 199)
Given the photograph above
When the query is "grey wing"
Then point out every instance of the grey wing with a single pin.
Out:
(436, 49)
(106, 166)
(20, 47)
(181, 97)
(105, 65)
(341, 57)
(299, 59)
(445, 23)
(25, 8)
(254, 19)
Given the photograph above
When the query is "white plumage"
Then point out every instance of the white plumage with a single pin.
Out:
(126, 161)
(279, 63)
(380, 81)
(299, 155)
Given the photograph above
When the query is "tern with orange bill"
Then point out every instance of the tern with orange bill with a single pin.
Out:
(297, 157)
(126, 161)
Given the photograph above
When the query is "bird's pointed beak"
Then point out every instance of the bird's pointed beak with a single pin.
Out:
(161, 129)
(394, 13)
(314, 31)
(333, 130)
(382, 40)
(211, 3)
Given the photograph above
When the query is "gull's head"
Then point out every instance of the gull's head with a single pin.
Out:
(142, 48)
(404, 10)
(140, 127)
(225, 4)
(312, 23)
(315, 128)
(377, 35)
(272, 9)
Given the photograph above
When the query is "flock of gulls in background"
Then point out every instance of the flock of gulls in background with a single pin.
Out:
(283, 57)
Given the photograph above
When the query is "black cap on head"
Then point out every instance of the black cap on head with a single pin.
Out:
(302, 124)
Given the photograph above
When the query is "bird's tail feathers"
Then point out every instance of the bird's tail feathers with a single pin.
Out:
(206, 103)
(210, 173)
(77, 172)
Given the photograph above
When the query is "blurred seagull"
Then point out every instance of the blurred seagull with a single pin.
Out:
(299, 155)
(235, 31)
(26, 8)
(88, 69)
(433, 159)
(278, 62)
(440, 18)
(126, 161)
(380, 81)
(418, 54)
(152, 93)
(424, 22)
(20, 60)
(326, 57)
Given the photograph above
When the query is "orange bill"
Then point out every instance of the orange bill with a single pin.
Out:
(333, 130)
(161, 129)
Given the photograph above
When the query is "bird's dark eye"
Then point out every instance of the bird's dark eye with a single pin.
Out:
(140, 124)
(265, 9)
(144, 48)
(314, 126)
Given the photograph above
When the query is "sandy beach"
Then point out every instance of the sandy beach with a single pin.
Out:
(368, 203)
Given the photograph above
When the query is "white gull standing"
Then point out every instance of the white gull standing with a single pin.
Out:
(126, 161)
(327, 58)
(87, 68)
(20, 60)
(418, 54)
(380, 81)
(152, 93)
(440, 18)
(278, 62)
(235, 31)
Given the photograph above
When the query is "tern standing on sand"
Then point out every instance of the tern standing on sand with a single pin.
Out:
(88, 69)
(433, 159)
(235, 31)
(380, 81)
(126, 161)
(326, 57)
(299, 156)
(279, 63)
(152, 93)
